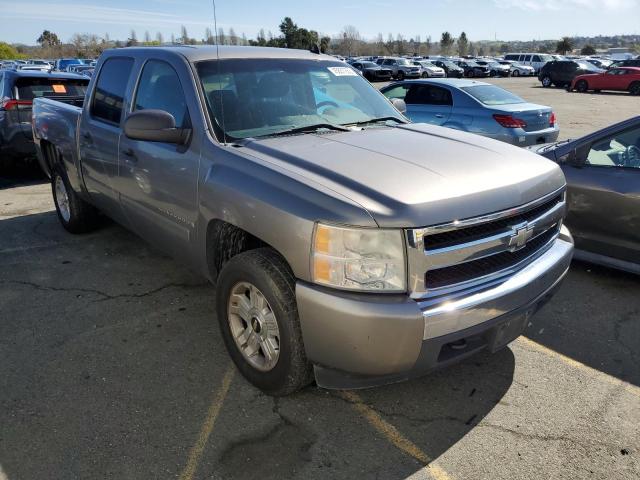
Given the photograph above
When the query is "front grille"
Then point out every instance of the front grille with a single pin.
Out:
(467, 254)
(482, 230)
(465, 272)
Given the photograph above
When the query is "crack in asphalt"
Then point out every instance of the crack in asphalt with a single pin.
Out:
(104, 296)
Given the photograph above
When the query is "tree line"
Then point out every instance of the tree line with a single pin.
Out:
(347, 42)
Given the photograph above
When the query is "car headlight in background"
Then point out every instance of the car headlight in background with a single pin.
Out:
(361, 259)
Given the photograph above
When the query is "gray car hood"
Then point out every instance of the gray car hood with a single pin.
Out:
(415, 174)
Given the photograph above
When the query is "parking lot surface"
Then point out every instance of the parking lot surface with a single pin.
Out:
(112, 366)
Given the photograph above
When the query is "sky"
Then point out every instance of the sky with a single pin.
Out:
(23, 20)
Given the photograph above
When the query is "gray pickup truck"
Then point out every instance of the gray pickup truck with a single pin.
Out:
(347, 244)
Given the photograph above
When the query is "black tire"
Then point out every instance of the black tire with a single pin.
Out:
(470, 74)
(546, 81)
(271, 275)
(634, 88)
(515, 73)
(82, 217)
(582, 86)
(400, 75)
(425, 75)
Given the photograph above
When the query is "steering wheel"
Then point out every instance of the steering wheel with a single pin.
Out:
(325, 104)
(631, 157)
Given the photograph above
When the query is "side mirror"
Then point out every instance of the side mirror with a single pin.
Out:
(154, 126)
(399, 104)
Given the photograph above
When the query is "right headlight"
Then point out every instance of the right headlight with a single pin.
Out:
(360, 259)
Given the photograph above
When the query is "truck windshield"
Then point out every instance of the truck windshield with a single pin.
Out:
(492, 95)
(260, 97)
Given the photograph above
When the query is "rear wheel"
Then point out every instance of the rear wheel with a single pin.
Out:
(516, 73)
(546, 81)
(258, 316)
(582, 86)
(470, 74)
(75, 215)
(634, 88)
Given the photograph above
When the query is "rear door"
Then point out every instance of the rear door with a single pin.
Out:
(604, 196)
(158, 181)
(428, 103)
(99, 133)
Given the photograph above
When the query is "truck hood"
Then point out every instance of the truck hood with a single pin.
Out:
(416, 174)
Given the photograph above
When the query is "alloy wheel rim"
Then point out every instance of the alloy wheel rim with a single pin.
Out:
(253, 326)
(62, 199)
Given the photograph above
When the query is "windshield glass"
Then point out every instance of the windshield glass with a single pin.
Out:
(450, 64)
(546, 58)
(471, 64)
(427, 64)
(259, 97)
(368, 64)
(492, 95)
(404, 61)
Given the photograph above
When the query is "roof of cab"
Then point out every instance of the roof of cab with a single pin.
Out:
(196, 53)
(37, 73)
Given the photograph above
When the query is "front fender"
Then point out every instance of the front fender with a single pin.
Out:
(273, 205)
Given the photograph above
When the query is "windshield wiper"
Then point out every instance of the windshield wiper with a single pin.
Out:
(378, 120)
(309, 129)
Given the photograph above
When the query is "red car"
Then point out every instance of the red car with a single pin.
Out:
(622, 78)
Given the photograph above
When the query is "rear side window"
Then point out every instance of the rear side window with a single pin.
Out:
(28, 88)
(536, 58)
(108, 99)
(159, 88)
(428, 95)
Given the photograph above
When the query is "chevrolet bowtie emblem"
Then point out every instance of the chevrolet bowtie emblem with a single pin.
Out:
(520, 235)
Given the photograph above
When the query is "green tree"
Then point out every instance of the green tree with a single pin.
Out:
(48, 39)
(463, 45)
(588, 50)
(288, 29)
(565, 45)
(446, 42)
(324, 44)
(7, 52)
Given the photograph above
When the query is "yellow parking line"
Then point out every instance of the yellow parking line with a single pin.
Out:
(392, 435)
(207, 427)
(580, 366)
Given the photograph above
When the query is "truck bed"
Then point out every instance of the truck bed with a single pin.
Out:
(55, 121)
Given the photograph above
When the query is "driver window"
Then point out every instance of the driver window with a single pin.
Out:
(619, 150)
(160, 88)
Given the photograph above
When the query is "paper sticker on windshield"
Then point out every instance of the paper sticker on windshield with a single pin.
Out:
(342, 71)
(59, 88)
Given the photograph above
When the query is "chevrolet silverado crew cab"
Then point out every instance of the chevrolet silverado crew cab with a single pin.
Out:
(347, 245)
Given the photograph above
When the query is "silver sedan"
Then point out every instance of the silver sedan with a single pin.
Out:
(476, 107)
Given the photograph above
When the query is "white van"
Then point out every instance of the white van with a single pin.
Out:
(535, 60)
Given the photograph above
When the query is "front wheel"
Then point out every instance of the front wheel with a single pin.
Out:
(75, 215)
(400, 75)
(425, 75)
(546, 81)
(515, 73)
(258, 316)
(582, 86)
(634, 88)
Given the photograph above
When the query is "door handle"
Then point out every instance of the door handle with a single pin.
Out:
(128, 152)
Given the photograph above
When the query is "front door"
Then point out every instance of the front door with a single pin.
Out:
(604, 196)
(158, 181)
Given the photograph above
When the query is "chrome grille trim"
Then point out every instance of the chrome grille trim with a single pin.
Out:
(423, 258)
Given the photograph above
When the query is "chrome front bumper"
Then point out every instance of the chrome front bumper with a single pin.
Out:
(358, 340)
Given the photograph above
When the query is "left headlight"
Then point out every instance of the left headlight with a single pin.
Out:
(360, 259)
